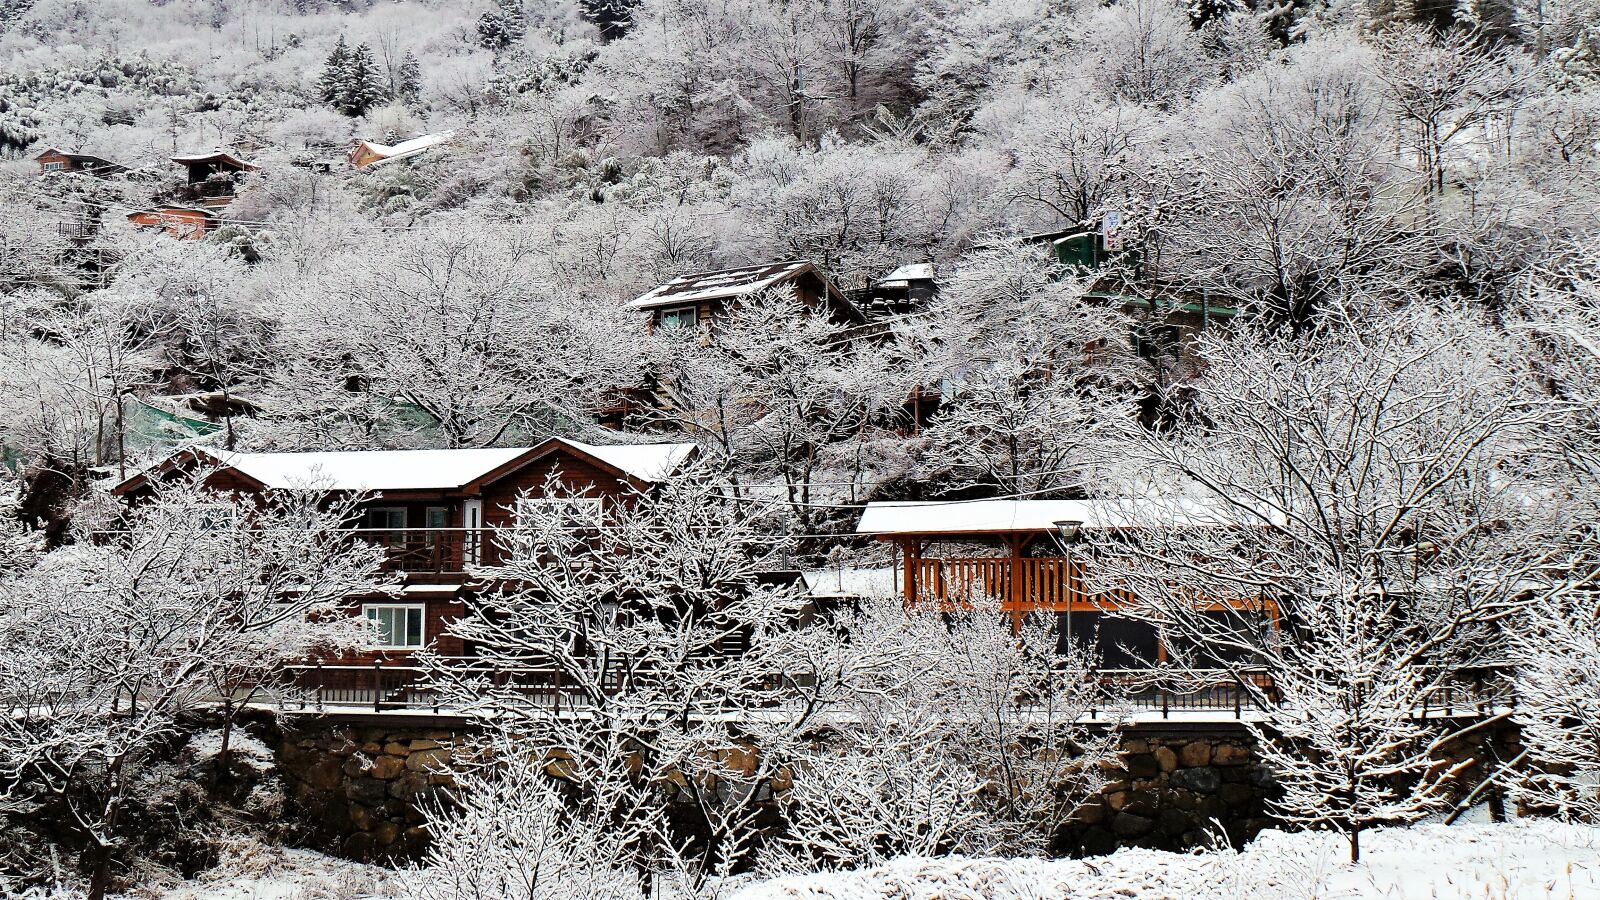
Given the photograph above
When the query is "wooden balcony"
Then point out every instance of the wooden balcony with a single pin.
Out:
(1020, 584)
(437, 551)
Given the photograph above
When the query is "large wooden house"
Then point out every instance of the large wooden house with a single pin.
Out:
(436, 513)
(53, 160)
(691, 301)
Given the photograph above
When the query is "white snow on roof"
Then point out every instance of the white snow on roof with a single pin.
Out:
(982, 516)
(370, 470)
(908, 273)
(851, 582)
(725, 284)
(647, 462)
(431, 470)
(408, 148)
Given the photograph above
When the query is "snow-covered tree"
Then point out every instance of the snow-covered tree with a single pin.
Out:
(107, 647)
(1355, 513)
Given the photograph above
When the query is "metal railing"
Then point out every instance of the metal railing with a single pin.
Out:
(389, 686)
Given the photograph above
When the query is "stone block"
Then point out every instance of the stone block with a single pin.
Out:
(1173, 822)
(1166, 759)
(428, 760)
(1141, 803)
(424, 744)
(1195, 754)
(361, 818)
(387, 767)
(372, 748)
(366, 790)
(386, 834)
(324, 774)
(1130, 825)
(1091, 813)
(1230, 755)
(1202, 780)
(357, 765)
(397, 748)
(1117, 800)
(1142, 765)
(1236, 794)
(359, 846)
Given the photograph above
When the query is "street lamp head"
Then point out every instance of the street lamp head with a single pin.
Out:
(1068, 530)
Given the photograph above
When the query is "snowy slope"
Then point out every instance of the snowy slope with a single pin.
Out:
(1519, 861)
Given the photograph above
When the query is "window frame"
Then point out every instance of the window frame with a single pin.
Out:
(370, 611)
(676, 312)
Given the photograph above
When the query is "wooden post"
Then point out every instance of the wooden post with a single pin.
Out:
(377, 685)
(1018, 587)
(909, 552)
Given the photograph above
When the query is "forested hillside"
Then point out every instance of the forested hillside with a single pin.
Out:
(1244, 356)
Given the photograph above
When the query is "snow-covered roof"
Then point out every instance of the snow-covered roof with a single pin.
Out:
(647, 462)
(370, 470)
(990, 516)
(218, 155)
(908, 273)
(851, 582)
(406, 148)
(721, 285)
(427, 470)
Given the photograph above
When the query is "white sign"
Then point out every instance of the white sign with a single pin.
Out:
(1110, 230)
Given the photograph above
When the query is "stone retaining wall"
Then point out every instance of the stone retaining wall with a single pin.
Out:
(360, 789)
(1170, 790)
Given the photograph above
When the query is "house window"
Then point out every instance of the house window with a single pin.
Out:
(386, 524)
(679, 317)
(397, 626)
(56, 166)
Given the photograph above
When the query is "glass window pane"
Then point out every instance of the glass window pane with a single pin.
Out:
(413, 628)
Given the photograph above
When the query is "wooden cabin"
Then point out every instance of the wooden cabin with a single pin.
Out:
(212, 178)
(435, 512)
(368, 154)
(185, 223)
(53, 160)
(694, 300)
(1019, 553)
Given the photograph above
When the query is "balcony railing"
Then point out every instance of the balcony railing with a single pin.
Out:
(387, 687)
(435, 550)
(1036, 583)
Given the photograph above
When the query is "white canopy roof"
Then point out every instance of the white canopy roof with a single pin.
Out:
(989, 516)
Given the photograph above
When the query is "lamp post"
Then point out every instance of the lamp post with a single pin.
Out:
(1066, 534)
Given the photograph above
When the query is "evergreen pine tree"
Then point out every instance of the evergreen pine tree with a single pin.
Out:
(410, 86)
(363, 86)
(503, 27)
(334, 73)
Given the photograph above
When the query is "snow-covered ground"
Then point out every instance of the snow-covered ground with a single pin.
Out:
(1528, 860)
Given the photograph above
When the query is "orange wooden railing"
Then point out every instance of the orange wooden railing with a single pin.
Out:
(1036, 583)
